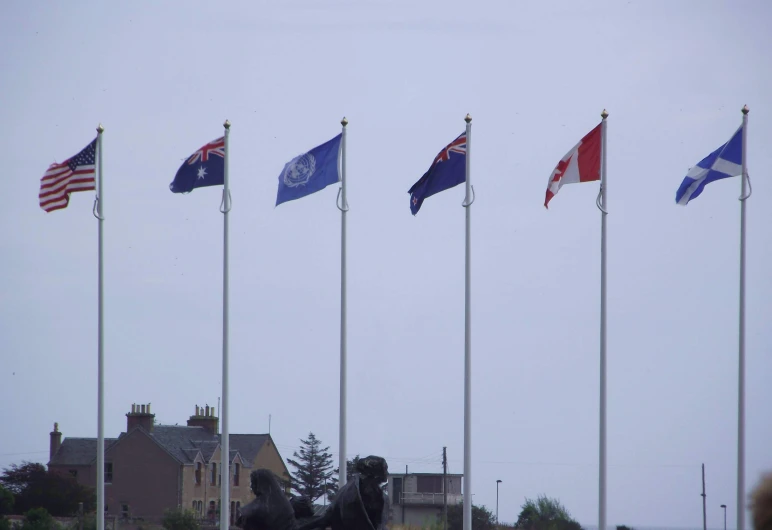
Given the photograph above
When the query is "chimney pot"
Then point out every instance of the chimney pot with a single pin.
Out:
(148, 408)
(143, 409)
(204, 418)
(55, 442)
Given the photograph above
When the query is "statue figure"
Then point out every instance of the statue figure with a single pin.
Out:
(271, 510)
(361, 504)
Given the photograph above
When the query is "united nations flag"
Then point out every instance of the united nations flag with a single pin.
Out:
(310, 172)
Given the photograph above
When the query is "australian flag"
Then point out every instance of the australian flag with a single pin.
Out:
(205, 167)
(447, 170)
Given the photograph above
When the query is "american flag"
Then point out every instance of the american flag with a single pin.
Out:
(74, 174)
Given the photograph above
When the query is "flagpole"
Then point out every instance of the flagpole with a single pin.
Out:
(343, 207)
(602, 444)
(225, 208)
(100, 471)
(741, 371)
(468, 200)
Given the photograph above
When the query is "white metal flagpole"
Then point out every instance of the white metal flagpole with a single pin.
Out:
(468, 200)
(343, 207)
(100, 474)
(225, 208)
(741, 368)
(602, 442)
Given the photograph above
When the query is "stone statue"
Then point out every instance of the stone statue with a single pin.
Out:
(361, 504)
(271, 510)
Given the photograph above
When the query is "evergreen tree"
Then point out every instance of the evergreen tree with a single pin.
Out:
(313, 476)
(351, 466)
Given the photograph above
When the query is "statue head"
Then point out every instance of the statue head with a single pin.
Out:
(373, 468)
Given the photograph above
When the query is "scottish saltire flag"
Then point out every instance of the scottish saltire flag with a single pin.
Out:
(205, 167)
(447, 170)
(309, 172)
(724, 162)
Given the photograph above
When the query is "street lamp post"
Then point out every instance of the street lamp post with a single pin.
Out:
(497, 502)
(724, 507)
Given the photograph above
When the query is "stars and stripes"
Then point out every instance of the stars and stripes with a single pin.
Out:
(74, 174)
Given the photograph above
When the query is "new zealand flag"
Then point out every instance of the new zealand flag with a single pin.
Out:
(447, 170)
(205, 167)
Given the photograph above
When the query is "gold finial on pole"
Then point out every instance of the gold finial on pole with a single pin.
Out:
(344, 121)
(746, 110)
(604, 114)
(227, 124)
(468, 118)
(100, 129)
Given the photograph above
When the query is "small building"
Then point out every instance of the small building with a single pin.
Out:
(417, 499)
(151, 468)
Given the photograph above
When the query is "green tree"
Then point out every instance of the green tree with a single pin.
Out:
(350, 470)
(624, 527)
(482, 517)
(545, 514)
(6, 501)
(38, 519)
(33, 486)
(313, 476)
(179, 520)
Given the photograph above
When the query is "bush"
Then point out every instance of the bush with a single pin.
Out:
(38, 519)
(6, 501)
(180, 520)
(5, 523)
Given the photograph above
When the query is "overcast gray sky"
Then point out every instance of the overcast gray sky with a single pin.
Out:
(162, 78)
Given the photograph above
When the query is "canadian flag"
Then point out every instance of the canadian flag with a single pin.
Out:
(580, 164)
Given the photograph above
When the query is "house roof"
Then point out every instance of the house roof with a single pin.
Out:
(181, 442)
(248, 445)
(78, 451)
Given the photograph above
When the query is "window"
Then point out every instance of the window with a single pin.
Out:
(236, 474)
(198, 472)
(74, 473)
(211, 513)
(214, 474)
(396, 490)
(233, 511)
(125, 511)
(108, 472)
(200, 509)
(430, 484)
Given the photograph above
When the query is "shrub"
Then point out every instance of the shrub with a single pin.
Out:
(180, 520)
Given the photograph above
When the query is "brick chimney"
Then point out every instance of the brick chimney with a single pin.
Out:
(140, 416)
(56, 441)
(205, 418)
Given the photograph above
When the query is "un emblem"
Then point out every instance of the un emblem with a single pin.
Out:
(299, 171)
